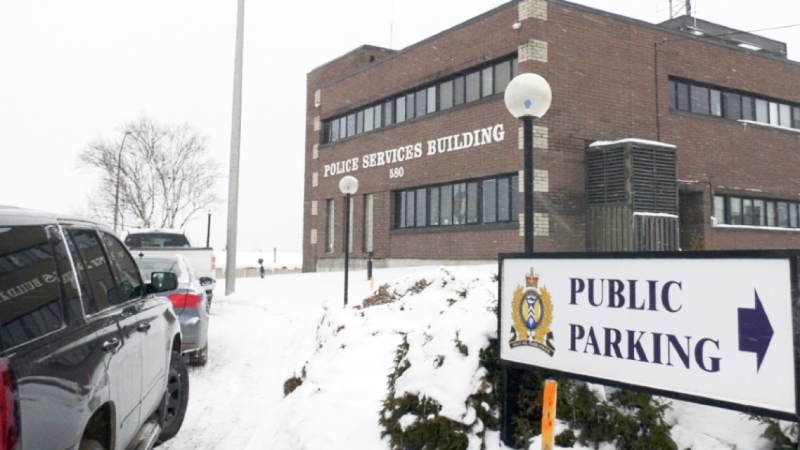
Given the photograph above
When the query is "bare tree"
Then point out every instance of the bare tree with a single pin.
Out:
(155, 175)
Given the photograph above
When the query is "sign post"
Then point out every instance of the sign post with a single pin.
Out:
(698, 326)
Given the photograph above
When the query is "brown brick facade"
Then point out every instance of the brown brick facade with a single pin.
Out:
(609, 79)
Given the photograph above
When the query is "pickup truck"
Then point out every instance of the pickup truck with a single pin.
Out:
(89, 356)
(146, 242)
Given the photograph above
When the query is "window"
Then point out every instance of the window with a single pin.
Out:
(487, 201)
(128, 286)
(434, 216)
(459, 203)
(732, 105)
(756, 212)
(447, 205)
(446, 95)
(359, 122)
(784, 115)
(719, 208)
(422, 102)
(30, 305)
(473, 86)
(369, 119)
(502, 76)
(431, 99)
(715, 102)
(683, 96)
(369, 205)
(422, 207)
(378, 116)
(472, 202)
(329, 239)
(700, 102)
(458, 91)
(487, 82)
(482, 81)
(490, 201)
(762, 111)
(400, 114)
(92, 260)
(410, 106)
(735, 205)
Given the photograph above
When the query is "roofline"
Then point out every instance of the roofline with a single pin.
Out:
(654, 26)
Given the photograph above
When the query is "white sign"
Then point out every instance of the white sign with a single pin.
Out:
(442, 145)
(716, 328)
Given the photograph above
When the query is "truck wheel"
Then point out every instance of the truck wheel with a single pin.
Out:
(89, 444)
(176, 397)
(200, 357)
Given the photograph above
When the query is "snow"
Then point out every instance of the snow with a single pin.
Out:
(296, 325)
(632, 141)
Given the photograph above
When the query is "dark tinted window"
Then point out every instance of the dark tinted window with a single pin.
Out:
(502, 76)
(93, 263)
(446, 95)
(473, 86)
(129, 283)
(30, 295)
(139, 240)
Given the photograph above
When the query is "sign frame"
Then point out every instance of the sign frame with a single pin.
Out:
(793, 258)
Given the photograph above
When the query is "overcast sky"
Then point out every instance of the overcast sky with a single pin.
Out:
(72, 71)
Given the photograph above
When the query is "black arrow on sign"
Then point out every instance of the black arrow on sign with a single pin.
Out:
(755, 331)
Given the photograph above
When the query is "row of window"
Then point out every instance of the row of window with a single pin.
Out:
(733, 105)
(756, 212)
(475, 84)
(492, 200)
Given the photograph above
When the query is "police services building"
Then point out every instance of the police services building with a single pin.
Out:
(679, 135)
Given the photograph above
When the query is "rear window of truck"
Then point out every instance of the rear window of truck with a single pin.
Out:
(142, 240)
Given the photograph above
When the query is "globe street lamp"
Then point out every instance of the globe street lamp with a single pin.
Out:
(348, 185)
(528, 97)
(116, 192)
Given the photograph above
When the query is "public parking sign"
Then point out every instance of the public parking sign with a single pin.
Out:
(713, 327)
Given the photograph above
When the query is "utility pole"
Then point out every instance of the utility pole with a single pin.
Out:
(236, 132)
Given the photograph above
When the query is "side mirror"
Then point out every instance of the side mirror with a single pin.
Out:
(205, 281)
(163, 281)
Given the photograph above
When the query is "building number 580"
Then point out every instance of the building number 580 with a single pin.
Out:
(397, 172)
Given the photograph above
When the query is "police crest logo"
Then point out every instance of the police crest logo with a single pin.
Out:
(532, 313)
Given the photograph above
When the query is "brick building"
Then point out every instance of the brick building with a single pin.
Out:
(683, 134)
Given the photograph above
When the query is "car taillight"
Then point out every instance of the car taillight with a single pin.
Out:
(213, 263)
(8, 416)
(180, 301)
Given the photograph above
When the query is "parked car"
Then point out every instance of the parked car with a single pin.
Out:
(89, 356)
(188, 299)
(202, 260)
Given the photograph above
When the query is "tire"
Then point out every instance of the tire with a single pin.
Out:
(89, 444)
(200, 357)
(176, 398)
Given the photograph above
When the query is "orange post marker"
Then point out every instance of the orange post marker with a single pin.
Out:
(549, 414)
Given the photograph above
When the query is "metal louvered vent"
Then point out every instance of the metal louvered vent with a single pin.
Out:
(654, 180)
(606, 176)
(632, 195)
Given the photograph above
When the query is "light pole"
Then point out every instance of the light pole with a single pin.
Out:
(116, 191)
(528, 97)
(348, 185)
(208, 233)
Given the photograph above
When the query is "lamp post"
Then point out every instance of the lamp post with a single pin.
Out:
(116, 191)
(528, 98)
(208, 233)
(348, 185)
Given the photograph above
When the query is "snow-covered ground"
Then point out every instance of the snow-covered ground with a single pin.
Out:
(295, 325)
